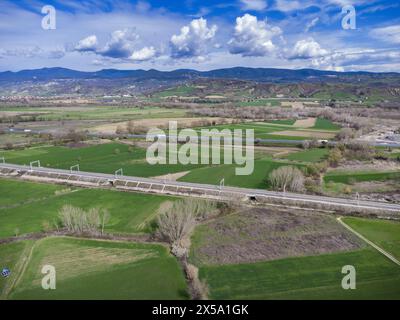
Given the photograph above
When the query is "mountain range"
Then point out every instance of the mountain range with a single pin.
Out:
(239, 73)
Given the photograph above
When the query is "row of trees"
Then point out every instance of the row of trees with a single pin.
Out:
(79, 221)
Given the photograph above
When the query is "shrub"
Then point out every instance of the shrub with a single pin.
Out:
(345, 134)
(335, 156)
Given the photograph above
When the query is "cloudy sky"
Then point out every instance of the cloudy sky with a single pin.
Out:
(200, 34)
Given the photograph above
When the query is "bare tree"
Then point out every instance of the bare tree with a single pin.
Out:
(120, 130)
(305, 144)
(345, 134)
(287, 178)
(130, 126)
(77, 220)
(105, 218)
(177, 223)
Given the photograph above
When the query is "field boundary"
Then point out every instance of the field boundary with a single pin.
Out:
(379, 249)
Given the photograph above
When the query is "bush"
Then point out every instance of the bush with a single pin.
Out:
(347, 190)
(359, 150)
(345, 134)
(335, 156)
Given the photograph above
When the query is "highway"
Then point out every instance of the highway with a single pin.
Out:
(208, 189)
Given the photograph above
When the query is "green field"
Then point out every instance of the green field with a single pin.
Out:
(314, 277)
(324, 124)
(89, 269)
(105, 158)
(214, 174)
(312, 155)
(282, 121)
(350, 177)
(383, 233)
(271, 129)
(95, 113)
(130, 212)
(16, 193)
(11, 257)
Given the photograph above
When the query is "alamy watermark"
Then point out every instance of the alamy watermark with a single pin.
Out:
(49, 20)
(203, 146)
(49, 280)
(349, 20)
(349, 280)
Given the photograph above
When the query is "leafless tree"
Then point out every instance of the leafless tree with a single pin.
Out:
(345, 134)
(177, 222)
(287, 178)
(77, 220)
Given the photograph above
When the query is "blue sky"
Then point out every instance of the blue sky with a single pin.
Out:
(203, 35)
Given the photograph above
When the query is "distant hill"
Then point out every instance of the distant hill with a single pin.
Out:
(239, 73)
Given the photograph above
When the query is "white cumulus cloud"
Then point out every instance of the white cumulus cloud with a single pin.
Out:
(143, 54)
(121, 44)
(307, 49)
(87, 44)
(253, 37)
(193, 39)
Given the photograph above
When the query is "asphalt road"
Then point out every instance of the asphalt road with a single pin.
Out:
(350, 203)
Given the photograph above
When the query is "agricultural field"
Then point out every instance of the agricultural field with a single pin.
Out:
(286, 129)
(360, 176)
(177, 91)
(257, 180)
(260, 103)
(11, 256)
(199, 152)
(324, 124)
(300, 256)
(30, 211)
(91, 113)
(92, 269)
(260, 234)
(386, 234)
(312, 155)
(12, 140)
(16, 193)
(314, 277)
(107, 158)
